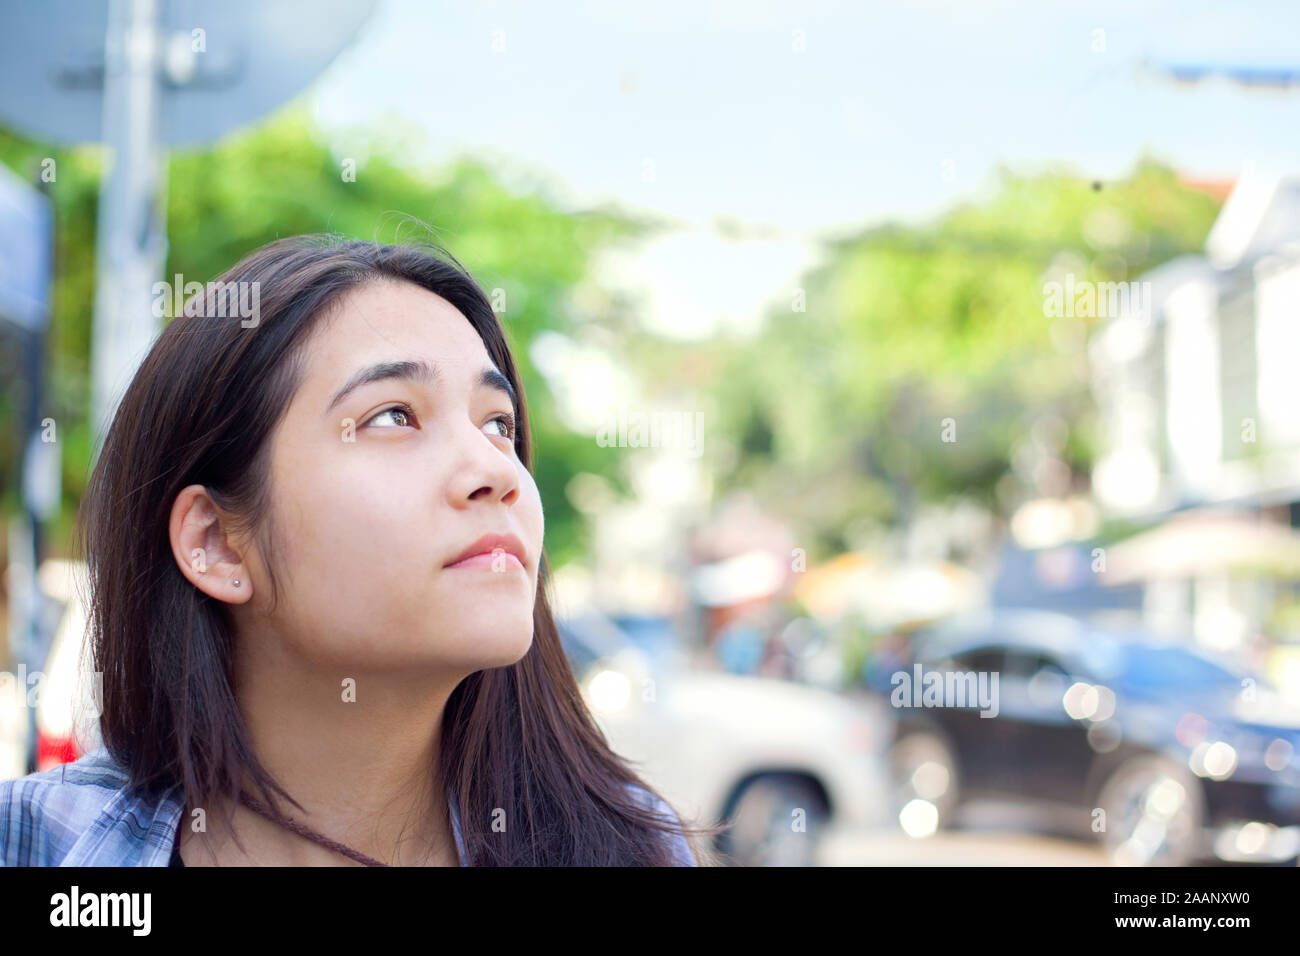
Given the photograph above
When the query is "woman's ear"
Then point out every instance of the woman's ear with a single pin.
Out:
(202, 549)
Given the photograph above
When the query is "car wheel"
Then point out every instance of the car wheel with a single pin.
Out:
(924, 773)
(1154, 810)
(763, 819)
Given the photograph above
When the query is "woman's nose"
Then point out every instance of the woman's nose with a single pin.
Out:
(485, 470)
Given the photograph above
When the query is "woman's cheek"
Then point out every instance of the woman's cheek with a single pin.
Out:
(536, 498)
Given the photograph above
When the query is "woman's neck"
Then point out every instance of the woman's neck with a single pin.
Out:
(359, 753)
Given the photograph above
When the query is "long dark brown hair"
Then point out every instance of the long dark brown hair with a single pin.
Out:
(200, 410)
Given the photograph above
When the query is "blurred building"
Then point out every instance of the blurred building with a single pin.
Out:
(1197, 393)
(1197, 396)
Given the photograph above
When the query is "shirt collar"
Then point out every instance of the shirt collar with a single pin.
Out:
(130, 831)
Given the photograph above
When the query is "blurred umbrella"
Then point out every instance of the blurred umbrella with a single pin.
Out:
(887, 595)
(1194, 544)
(827, 589)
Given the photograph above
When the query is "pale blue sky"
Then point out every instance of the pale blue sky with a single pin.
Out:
(854, 130)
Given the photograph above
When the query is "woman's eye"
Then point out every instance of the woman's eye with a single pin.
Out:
(401, 413)
(507, 423)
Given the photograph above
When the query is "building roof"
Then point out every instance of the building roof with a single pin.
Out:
(1261, 216)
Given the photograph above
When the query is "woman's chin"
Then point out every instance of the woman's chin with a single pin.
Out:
(497, 648)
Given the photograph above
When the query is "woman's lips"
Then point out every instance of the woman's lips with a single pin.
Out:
(497, 560)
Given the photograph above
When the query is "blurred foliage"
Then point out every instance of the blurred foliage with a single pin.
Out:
(278, 179)
(835, 414)
(1284, 622)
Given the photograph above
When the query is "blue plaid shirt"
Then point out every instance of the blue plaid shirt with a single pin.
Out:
(84, 814)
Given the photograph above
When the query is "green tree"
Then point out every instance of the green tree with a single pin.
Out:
(837, 413)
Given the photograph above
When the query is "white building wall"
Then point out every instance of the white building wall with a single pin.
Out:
(1277, 334)
(1194, 422)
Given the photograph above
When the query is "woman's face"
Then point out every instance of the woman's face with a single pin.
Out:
(377, 490)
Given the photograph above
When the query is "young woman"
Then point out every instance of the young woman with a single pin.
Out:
(318, 597)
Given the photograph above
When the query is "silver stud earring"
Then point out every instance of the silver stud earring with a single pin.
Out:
(236, 582)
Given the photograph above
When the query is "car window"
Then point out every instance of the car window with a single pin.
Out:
(580, 654)
(1025, 665)
(589, 639)
(987, 659)
(1175, 667)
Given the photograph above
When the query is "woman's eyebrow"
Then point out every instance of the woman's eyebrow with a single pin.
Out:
(415, 370)
(491, 377)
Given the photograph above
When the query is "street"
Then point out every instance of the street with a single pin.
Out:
(989, 834)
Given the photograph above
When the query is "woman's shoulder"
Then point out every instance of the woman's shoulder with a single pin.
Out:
(42, 814)
(46, 816)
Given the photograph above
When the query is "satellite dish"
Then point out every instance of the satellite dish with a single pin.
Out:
(220, 65)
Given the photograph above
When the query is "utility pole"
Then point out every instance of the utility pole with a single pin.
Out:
(131, 244)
